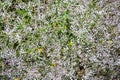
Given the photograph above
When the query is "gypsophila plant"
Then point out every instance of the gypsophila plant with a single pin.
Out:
(59, 39)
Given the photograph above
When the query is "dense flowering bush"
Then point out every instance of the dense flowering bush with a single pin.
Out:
(59, 39)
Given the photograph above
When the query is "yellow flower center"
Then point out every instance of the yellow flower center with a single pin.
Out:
(54, 64)
(16, 79)
(40, 50)
(70, 43)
